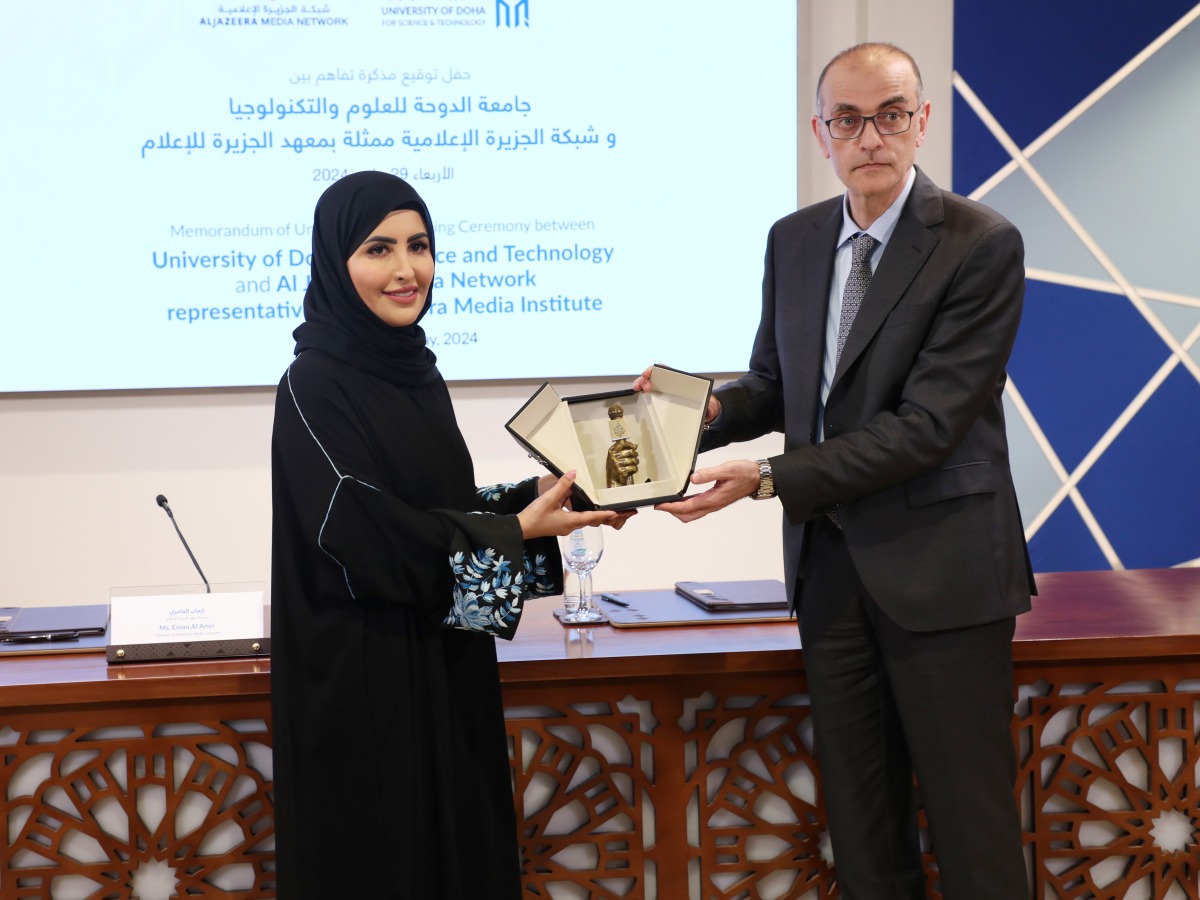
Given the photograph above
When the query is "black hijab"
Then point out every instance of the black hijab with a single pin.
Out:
(336, 320)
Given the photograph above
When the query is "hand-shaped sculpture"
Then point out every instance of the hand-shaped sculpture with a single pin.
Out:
(622, 461)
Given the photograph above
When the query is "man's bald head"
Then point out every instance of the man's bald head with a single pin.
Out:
(869, 54)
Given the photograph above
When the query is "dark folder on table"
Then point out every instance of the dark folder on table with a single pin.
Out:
(53, 621)
(716, 596)
(749, 602)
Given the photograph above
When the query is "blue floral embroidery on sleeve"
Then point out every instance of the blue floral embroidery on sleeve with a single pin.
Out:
(487, 593)
(535, 573)
(493, 492)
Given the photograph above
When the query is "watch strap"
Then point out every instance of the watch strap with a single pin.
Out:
(766, 481)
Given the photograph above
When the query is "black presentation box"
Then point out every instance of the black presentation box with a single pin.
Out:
(564, 433)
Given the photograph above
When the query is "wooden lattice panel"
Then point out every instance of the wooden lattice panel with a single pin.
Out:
(96, 812)
(713, 797)
(580, 776)
(1109, 775)
(752, 776)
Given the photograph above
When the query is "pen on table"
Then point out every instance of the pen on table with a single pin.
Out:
(617, 600)
(40, 638)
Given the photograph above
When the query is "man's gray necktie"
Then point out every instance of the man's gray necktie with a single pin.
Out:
(862, 246)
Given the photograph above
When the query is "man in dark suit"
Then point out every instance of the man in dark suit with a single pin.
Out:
(903, 544)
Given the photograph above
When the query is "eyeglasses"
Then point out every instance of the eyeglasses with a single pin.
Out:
(847, 128)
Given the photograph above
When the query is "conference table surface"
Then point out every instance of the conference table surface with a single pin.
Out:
(1111, 615)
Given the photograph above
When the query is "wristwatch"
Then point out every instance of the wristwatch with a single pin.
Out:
(766, 481)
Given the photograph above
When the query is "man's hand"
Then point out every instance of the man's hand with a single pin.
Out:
(642, 383)
(730, 481)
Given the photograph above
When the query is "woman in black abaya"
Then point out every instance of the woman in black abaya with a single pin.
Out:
(391, 572)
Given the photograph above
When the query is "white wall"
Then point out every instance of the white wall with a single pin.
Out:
(79, 472)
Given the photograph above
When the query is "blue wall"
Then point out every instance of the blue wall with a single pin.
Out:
(1100, 101)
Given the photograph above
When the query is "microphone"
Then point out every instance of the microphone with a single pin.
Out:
(162, 501)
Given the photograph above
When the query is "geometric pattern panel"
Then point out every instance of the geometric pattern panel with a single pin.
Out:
(753, 781)
(671, 792)
(1064, 544)
(1109, 774)
(139, 810)
(1085, 43)
(1124, 192)
(671, 796)
(1135, 484)
(1080, 359)
(580, 777)
(1107, 362)
(1039, 478)
(975, 154)
(1140, 204)
(1053, 246)
(1108, 787)
(1180, 320)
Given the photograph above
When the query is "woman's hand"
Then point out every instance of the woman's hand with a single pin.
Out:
(550, 513)
(546, 482)
(622, 516)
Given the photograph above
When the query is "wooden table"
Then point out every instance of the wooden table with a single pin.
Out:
(664, 762)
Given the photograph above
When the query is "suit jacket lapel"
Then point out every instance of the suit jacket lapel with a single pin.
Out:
(909, 248)
(805, 340)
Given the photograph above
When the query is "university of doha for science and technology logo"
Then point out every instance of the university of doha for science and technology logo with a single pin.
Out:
(506, 14)
(512, 13)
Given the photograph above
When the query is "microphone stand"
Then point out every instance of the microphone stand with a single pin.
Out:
(162, 501)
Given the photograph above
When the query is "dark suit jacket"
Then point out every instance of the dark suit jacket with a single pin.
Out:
(915, 456)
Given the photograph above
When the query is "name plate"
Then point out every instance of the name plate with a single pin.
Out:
(186, 625)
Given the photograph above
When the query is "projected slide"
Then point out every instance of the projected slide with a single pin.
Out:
(601, 177)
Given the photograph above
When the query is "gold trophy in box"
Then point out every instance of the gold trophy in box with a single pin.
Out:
(622, 462)
(648, 453)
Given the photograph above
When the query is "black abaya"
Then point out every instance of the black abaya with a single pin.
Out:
(389, 570)
(391, 765)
